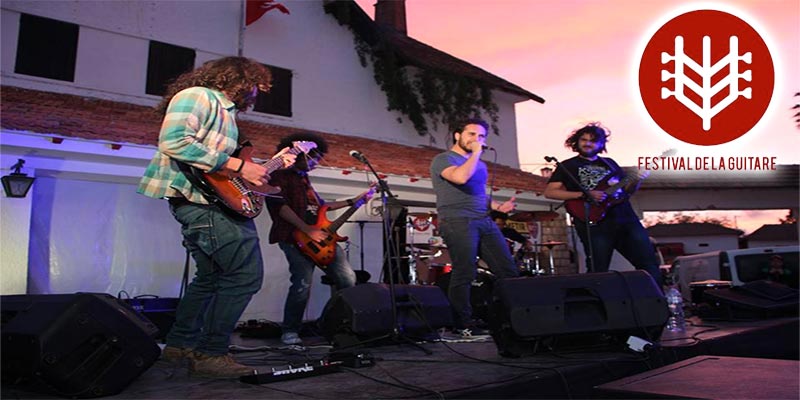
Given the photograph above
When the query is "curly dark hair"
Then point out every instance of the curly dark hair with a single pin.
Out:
(236, 76)
(600, 134)
(322, 145)
(469, 121)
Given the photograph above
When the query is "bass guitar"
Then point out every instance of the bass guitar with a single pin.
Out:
(237, 195)
(323, 253)
(614, 195)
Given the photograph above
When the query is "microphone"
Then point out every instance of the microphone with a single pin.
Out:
(358, 156)
(549, 158)
(485, 147)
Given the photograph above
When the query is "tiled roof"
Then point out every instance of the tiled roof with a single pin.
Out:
(96, 119)
(774, 232)
(413, 52)
(691, 229)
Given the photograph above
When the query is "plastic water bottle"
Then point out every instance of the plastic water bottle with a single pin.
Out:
(676, 322)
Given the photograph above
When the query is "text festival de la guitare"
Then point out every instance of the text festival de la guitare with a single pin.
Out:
(738, 163)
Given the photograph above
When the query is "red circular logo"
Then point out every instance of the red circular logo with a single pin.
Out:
(706, 77)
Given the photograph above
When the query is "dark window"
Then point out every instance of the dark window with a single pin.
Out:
(46, 48)
(279, 99)
(166, 62)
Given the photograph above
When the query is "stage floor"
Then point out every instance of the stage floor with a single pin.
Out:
(459, 369)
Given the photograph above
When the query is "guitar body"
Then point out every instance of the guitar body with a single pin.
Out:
(322, 253)
(597, 211)
(235, 193)
(237, 196)
(615, 194)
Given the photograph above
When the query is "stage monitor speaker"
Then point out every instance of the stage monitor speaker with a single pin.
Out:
(365, 311)
(76, 345)
(547, 313)
(753, 300)
(710, 377)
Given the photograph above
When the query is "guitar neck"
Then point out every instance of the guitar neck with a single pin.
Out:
(275, 164)
(622, 183)
(334, 226)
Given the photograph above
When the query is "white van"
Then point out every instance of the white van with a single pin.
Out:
(777, 263)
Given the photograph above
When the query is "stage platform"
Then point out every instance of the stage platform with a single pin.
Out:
(466, 369)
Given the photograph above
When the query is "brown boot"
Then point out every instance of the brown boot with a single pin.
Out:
(178, 356)
(223, 366)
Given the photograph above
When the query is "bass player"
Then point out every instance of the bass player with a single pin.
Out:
(619, 229)
(295, 213)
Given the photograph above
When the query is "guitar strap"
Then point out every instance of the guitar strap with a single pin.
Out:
(312, 201)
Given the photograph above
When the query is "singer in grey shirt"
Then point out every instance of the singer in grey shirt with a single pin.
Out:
(459, 181)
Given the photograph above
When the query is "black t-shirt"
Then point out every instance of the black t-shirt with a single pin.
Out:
(591, 174)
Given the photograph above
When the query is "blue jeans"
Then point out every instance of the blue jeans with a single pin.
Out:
(229, 272)
(301, 269)
(629, 239)
(466, 239)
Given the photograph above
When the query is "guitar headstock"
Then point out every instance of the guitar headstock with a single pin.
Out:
(304, 146)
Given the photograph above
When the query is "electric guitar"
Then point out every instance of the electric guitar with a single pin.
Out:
(237, 195)
(323, 253)
(614, 195)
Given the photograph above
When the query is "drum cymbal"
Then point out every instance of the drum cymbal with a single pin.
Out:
(528, 216)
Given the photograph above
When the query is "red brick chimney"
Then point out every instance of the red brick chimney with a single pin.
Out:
(392, 14)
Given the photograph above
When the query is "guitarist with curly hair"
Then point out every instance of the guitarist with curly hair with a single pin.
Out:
(199, 130)
(307, 238)
(613, 225)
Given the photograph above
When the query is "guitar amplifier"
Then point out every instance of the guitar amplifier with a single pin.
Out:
(159, 310)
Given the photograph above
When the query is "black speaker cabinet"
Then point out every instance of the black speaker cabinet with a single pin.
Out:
(76, 345)
(365, 311)
(753, 300)
(546, 313)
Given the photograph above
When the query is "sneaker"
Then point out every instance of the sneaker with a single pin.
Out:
(291, 338)
(223, 366)
(177, 355)
(471, 332)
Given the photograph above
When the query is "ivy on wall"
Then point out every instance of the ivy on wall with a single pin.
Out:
(423, 95)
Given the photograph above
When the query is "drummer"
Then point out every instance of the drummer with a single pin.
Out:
(510, 234)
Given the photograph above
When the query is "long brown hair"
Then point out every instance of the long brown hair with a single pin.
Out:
(236, 76)
(598, 132)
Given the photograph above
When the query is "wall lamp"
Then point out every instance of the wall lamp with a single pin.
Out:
(17, 184)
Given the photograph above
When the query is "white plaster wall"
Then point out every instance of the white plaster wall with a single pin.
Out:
(331, 91)
(15, 220)
(9, 32)
(210, 25)
(101, 65)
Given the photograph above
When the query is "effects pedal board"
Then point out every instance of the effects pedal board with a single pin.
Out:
(291, 372)
(321, 367)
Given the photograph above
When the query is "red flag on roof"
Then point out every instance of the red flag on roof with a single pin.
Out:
(256, 8)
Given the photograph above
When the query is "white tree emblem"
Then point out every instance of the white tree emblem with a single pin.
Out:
(706, 71)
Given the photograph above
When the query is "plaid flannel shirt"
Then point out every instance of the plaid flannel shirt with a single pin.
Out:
(199, 129)
(295, 191)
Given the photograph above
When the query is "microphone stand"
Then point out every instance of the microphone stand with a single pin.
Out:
(396, 334)
(587, 204)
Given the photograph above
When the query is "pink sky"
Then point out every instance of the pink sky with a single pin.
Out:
(582, 57)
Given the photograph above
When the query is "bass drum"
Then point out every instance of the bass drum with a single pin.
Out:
(480, 293)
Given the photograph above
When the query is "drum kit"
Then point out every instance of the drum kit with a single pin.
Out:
(430, 264)
(429, 259)
(428, 255)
